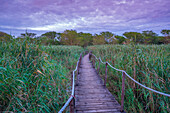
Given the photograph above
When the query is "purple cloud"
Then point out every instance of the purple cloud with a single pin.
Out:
(91, 16)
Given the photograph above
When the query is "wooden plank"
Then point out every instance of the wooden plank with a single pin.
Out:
(93, 96)
(96, 100)
(90, 94)
(83, 108)
(97, 103)
(99, 106)
(98, 110)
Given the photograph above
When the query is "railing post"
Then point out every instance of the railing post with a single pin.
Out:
(123, 91)
(71, 106)
(90, 55)
(94, 62)
(79, 64)
(71, 103)
(78, 68)
(105, 74)
(98, 67)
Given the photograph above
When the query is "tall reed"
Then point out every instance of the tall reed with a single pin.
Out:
(148, 64)
(35, 78)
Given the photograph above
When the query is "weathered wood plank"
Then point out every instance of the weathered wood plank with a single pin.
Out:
(99, 111)
(90, 94)
(97, 103)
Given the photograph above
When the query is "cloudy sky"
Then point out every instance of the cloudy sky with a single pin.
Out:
(92, 16)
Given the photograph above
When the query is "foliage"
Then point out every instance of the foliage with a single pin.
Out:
(35, 78)
(108, 36)
(151, 38)
(167, 35)
(72, 37)
(69, 37)
(86, 39)
(148, 64)
(31, 35)
(4, 37)
(47, 41)
(51, 35)
(98, 40)
(166, 32)
(134, 37)
(120, 39)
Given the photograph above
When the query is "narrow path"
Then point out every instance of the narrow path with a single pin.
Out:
(91, 95)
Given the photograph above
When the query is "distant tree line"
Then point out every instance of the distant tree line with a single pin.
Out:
(72, 37)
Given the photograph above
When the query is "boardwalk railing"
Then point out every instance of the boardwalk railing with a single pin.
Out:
(71, 100)
(124, 74)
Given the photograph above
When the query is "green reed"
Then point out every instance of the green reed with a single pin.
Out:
(148, 64)
(35, 78)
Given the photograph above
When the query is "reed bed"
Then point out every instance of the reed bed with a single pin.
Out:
(35, 78)
(148, 64)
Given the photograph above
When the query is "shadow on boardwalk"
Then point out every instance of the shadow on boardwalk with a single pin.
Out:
(90, 93)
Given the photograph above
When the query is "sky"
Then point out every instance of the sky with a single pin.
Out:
(92, 16)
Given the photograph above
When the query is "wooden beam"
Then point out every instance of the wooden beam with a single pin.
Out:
(105, 74)
(123, 92)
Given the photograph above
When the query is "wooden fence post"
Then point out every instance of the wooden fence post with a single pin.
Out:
(90, 55)
(123, 92)
(79, 64)
(98, 67)
(78, 68)
(94, 62)
(105, 74)
(71, 103)
(71, 106)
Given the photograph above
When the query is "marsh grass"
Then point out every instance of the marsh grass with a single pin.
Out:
(35, 78)
(148, 64)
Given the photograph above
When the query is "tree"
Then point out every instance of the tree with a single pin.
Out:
(47, 41)
(30, 35)
(69, 37)
(98, 40)
(86, 39)
(150, 37)
(5, 37)
(134, 37)
(166, 34)
(107, 35)
(51, 34)
(120, 39)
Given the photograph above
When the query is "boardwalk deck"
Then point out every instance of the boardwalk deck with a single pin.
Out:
(91, 95)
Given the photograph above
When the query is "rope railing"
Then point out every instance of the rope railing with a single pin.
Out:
(124, 73)
(73, 86)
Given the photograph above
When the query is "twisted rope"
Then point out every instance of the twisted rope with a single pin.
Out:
(73, 87)
(168, 95)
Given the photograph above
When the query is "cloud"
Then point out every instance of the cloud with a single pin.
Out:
(90, 15)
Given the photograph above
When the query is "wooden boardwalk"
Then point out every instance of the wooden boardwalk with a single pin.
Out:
(91, 95)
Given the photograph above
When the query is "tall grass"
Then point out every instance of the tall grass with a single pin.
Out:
(148, 64)
(35, 78)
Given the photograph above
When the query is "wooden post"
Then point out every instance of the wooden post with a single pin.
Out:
(71, 106)
(90, 55)
(79, 64)
(123, 92)
(78, 68)
(98, 67)
(71, 103)
(94, 62)
(74, 101)
(105, 74)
